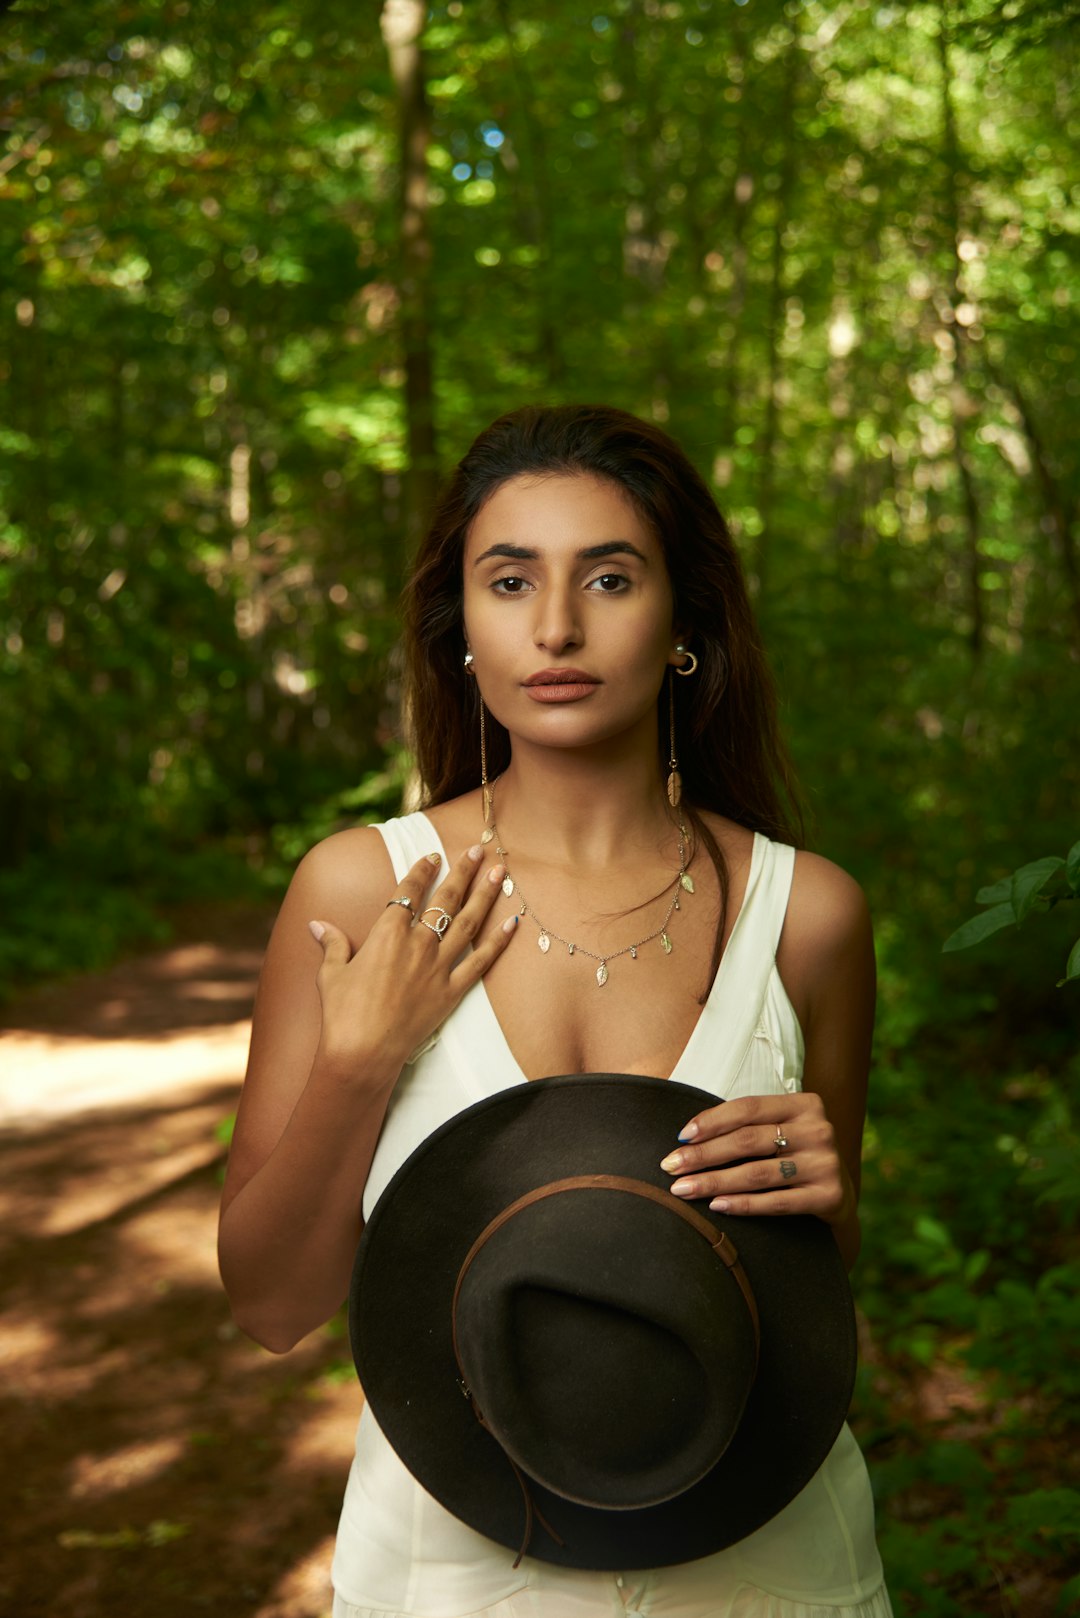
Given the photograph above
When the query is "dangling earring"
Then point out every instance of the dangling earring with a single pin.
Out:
(484, 787)
(674, 780)
(687, 668)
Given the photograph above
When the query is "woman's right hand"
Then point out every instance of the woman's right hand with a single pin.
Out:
(405, 979)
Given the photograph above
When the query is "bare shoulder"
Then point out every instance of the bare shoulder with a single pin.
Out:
(345, 879)
(826, 947)
(826, 905)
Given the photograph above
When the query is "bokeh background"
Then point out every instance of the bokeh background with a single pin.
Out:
(265, 270)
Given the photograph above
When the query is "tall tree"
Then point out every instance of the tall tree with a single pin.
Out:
(402, 23)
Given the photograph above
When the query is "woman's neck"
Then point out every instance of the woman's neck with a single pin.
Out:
(582, 808)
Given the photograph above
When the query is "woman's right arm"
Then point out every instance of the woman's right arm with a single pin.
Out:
(334, 1024)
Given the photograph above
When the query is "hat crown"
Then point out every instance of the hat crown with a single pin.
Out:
(608, 1348)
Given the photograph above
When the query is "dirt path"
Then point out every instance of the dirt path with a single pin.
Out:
(157, 1463)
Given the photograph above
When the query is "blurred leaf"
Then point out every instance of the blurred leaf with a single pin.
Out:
(980, 927)
(1029, 882)
(1072, 867)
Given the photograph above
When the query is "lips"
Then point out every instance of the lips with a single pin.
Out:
(548, 677)
(560, 685)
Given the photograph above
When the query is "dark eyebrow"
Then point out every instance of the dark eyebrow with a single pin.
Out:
(591, 553)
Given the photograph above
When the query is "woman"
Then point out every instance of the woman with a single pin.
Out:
(576, 568)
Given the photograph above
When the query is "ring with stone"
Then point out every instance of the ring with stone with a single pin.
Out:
(402, 899)
(437, 927)
(782, 1142)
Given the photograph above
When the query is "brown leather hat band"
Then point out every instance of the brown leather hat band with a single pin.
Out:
(718, 1240)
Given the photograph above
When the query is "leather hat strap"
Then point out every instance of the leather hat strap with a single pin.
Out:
(718, 1240)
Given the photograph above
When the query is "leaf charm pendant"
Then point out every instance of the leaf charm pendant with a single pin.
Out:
(665, 943)
(601, 974)
(486, 835)
(686, 881)
(543, 942)
(508, 885)
(674, 789)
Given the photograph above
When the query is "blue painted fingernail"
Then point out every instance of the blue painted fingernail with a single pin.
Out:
(689, 1132)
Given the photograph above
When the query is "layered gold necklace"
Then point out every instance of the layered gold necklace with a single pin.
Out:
(683, 883)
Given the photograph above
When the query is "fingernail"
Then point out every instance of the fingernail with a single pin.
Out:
(436, 859)
(475, 852)
(673, 1161)
(689, 1132)
(720, 1205)
(496, 873)
(510, 924)
(683, 1188)
(316, 929)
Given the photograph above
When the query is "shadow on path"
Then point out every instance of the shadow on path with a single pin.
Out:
(156, 1461)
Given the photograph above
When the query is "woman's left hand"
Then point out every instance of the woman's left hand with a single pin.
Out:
(764, 1155)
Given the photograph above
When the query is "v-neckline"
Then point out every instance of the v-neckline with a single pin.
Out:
(496, 1028)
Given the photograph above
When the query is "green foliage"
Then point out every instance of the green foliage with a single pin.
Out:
(377, 797)
(833, 249)
(1039, 885)
(155, 1535)
(1028, 1334)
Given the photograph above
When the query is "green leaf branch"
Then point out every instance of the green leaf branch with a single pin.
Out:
(1039, 885)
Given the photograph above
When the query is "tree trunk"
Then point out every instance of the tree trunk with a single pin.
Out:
(969, 488)
(402, 23)
(770, 432)
(1062, 517)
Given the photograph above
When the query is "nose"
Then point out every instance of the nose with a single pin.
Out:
(557, 626)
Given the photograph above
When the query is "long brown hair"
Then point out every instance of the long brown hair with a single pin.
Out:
(732, 758)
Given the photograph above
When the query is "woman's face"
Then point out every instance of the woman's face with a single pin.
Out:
(568, 610)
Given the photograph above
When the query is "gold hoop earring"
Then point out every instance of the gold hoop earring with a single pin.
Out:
(674, 780)
(691, 666)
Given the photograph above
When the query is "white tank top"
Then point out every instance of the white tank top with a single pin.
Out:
(399, 1553)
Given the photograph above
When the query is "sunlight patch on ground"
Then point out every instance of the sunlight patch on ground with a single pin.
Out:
(174, 1241)
(96, 1203)
(305, 1589)
(92, 1477)
(317, 1444)
(24, 1344)
(48, 1076)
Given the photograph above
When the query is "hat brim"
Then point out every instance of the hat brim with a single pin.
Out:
(448, 1190)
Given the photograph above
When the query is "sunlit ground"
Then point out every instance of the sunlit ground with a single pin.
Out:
(160, 1462)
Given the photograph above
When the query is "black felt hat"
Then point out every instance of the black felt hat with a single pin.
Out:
(530, 1301)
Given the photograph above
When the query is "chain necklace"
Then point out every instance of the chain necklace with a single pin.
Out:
(684, 883)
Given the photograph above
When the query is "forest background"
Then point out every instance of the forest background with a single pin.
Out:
(264, 272)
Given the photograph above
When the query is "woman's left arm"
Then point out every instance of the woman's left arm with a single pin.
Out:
(801, 1153)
